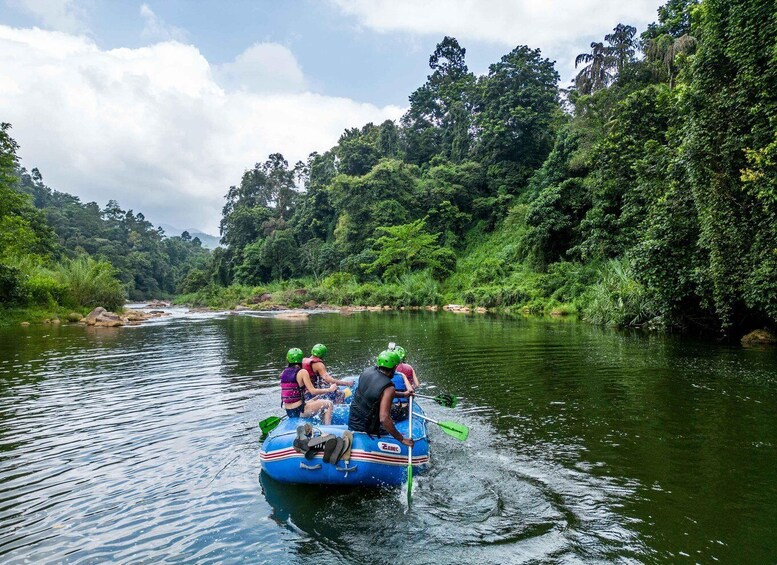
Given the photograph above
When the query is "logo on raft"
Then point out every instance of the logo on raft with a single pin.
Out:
(389, 447)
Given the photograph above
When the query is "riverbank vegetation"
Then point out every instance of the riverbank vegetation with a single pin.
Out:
(644, 194)
(58, 255)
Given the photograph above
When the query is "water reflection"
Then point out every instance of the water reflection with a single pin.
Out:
(137, 443)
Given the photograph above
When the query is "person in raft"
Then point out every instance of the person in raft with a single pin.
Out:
(320, 376)
(294, 381)
(406, 368)
(371, 405)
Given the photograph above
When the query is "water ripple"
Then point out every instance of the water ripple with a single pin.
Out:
(140, 444)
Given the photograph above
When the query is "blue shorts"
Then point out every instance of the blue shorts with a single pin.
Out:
(296, 412)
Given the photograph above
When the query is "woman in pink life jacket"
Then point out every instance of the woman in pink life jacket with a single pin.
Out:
(294, 382)
(320, 376)
(406, 368)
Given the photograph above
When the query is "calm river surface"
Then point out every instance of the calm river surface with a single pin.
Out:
(140, 444)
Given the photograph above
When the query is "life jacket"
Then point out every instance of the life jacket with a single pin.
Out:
(365, 407)
(399, 385)
(291, 392)
(317, 380)
(406, 369)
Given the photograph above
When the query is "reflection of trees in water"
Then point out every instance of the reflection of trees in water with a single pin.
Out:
(32, 354)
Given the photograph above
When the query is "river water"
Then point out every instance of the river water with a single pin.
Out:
(140, 444)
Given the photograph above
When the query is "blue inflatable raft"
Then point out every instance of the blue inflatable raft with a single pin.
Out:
(373, 461)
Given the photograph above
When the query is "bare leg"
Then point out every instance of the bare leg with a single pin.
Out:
(315, 406)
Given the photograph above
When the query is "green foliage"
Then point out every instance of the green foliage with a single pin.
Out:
(653, 198)
(87, 282)
(439, 120)
(23, 230)
(273, 258)
(618, 299)
(731, 103)
(194, 280)
(519, 112)
(12, 288)
(405, 248)
(148, 263)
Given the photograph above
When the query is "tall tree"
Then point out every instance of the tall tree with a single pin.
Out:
(517, 117)
(440, 112)
(622, 45)
(595, 74)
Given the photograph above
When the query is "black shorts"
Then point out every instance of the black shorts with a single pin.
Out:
(296, 412)
(399, 411)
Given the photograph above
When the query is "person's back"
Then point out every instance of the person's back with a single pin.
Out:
(364, 406)
(315, 377)
(371, 406)
(320, 376)
(406, 369)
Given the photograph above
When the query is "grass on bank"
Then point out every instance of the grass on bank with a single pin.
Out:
(35, 291)
(605, 295)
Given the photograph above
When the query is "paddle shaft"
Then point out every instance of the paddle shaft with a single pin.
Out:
(410, 452)
(426, 418)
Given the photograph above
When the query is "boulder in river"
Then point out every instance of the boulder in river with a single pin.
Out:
(74, 317)
(760, 337)
(135, 316)
(25, 324)
(311, 304)
(92, 316)
(100, 317)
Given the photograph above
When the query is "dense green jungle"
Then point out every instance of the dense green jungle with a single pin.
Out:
(644, 195)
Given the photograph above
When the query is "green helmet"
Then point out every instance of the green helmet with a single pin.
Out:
(294, 355)
(388, 359)
(399, 350)
(319, 350)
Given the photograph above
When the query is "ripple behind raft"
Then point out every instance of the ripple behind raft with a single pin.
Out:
(479, 501)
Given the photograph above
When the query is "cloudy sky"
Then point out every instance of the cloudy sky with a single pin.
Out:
(163, 104)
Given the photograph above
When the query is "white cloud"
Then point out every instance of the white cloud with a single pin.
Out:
(151, 127)
(61, 15)
(561, 28)
(156, 29)
(263, 67)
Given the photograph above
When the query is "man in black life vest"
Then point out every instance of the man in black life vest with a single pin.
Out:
(371, 405)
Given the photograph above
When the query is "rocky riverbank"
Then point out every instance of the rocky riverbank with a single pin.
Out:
(102, 318)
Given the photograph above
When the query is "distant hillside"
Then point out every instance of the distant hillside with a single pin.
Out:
(208, 241)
